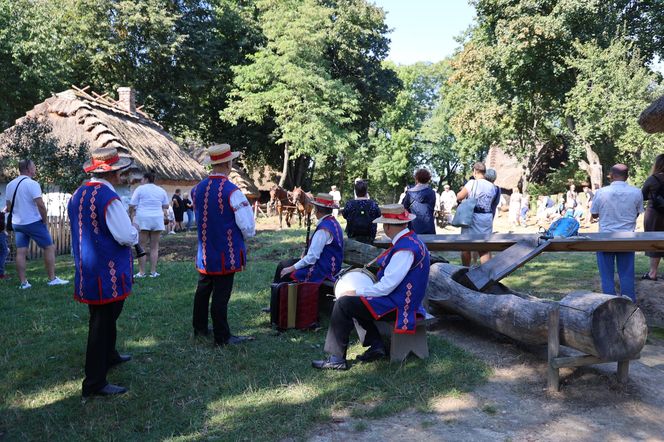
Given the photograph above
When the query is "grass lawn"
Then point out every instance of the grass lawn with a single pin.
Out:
(182, 388)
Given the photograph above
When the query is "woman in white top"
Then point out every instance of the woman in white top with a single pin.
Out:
(514, 208)
(484, 192)
(148, 209)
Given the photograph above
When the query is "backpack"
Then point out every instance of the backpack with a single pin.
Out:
(360, 223)
(657, 197)
(562, 228)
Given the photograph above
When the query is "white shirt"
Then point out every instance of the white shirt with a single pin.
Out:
(25, 209)
(336, 195)
(395, 272)
(244, 216)
(448, 198)
(318, 242)
(149, 200)
(618, 206)
(117, 220)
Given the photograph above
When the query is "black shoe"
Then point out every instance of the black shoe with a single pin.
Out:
(331, 363)
(265, 309)
(647, 277)
(108, 390)
(206, 332)
(120, 359)
(372, 354)
(235, 340)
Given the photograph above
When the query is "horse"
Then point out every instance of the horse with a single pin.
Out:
(281, 200)
(302, 202)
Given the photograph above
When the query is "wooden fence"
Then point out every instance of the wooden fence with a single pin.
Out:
(58, 227)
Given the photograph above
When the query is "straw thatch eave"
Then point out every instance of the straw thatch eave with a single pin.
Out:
(652, 118)
(77, 118)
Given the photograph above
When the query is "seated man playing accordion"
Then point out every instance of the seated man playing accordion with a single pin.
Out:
(325, 253)
(402, 281)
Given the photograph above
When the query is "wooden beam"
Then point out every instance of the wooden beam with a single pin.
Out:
(588, 242)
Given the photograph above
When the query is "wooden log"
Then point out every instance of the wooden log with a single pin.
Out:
(609, 327)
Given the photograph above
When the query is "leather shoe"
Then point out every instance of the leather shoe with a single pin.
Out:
(372, 354)
(265, 309)
(331, 363)
(206, 332)
(108, 390)
(120, 359)
(235, 340)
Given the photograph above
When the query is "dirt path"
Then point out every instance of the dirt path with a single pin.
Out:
(514, 404)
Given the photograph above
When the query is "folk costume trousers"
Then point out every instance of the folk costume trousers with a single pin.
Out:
(282, 265)
(101, 354)
(220, 287)
(607, 263)
(345, 310)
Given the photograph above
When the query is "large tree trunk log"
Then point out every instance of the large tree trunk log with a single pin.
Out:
(609, 327)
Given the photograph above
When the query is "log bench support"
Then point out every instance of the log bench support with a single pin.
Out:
(401, 345)
(556, 362)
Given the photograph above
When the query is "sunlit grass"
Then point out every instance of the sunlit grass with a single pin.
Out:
(182, 388)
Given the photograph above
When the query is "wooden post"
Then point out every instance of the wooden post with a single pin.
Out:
(553, 376)
(255, 209)
(623, 371)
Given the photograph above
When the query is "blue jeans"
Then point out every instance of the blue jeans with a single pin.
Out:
(3, 251)
(190, 218)
(607, 261)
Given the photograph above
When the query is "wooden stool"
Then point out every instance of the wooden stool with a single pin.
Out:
(401, 344)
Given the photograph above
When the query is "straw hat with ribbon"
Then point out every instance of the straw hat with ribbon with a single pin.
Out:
(105, 160)
(394, 214)
(325, 200)
(221, 153)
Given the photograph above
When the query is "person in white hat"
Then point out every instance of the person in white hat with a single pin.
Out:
(336, 196)
(402, 281)
(225, 220)
(102, 236)
(326, 249)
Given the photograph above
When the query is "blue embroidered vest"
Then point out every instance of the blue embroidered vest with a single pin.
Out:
(221, 248)
(103, 267)
(407, 297)
(329, 262)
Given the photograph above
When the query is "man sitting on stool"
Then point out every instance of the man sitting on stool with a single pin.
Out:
(402, 281)
(326, 250)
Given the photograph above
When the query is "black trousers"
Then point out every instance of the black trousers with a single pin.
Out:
(101, 353)
(220, 287)
(282, 265)
(345, 310)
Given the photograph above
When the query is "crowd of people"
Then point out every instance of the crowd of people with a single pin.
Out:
(103, 233)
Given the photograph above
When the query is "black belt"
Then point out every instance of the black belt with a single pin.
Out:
(476, 210)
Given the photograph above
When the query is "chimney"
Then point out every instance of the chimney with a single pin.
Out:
(127, 99)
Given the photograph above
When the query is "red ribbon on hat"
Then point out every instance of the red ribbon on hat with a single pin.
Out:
(324, 201)
(221, 156)
(404, 216)
(103, 164)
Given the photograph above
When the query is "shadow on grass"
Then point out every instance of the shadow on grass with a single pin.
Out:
(184, 388)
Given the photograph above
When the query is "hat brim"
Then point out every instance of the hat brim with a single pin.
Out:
(316, 203)
(383, 220)
(122, 163)
(232, 156)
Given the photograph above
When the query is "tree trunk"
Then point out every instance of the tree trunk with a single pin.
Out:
(593, 167)
(284, 170)
(609, 327)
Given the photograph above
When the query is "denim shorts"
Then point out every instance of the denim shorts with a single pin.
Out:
(36, 231)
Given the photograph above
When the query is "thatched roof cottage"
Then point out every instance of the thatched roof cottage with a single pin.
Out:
(77, 116)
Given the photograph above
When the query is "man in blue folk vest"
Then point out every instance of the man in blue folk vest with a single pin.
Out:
(403, 276)
(102, 236)
(225, 220)
(326, 250)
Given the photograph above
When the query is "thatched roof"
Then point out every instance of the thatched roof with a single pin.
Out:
(77, 117)
(240, 178)
(652, 118)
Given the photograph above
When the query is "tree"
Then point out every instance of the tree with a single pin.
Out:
(289, 81)
(59, 164)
